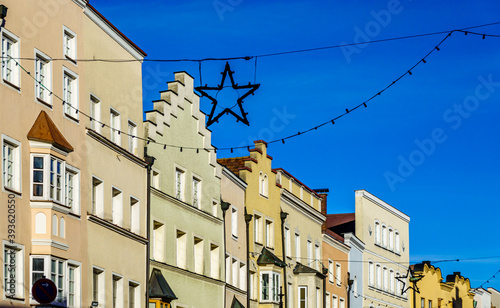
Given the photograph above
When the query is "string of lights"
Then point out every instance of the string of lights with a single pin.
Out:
(279, 53)
(283, 139)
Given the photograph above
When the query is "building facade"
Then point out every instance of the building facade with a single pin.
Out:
(67, 227)
(495, 297)
(336, 255)
(452, 292)
(187, 230)
(355, 258)
(233, 204)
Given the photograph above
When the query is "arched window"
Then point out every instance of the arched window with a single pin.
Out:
(378, 275)
(40, 223)
(261, 183)
(54, 225)
(397, 241)
(371, 274)
(391, 280)
(377, 232)
(266, 186)
(391, 239)
(386, 279)
(356, 286)
(61, 227)
(384, 236)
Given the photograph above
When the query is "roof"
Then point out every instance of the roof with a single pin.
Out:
(301, 268)
(333, 220)
(45, 130)
(159, 288)
(334, 235)
(117, 31)
(267, 257)
(296, 180)
(234, 164)
(236, 303)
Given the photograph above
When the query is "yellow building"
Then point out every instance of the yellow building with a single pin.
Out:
(436, 292)
(78, 218)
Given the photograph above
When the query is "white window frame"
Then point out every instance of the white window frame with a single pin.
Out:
(69, 44)
(215, 208)
(196, 192)
(136, 287)
(101, 285)
(371, 273)
(297, 247)
(396, 241)
(378, 276)
(243, 276)
(338, 273)
(214, 261)
(335, 301)
(75, 206)
(76, 266)
(299, 299)
(273, 288)
(269, 232)
(199, 254)
(10, 65)
(330, 271)
(71, 104)
(117, 294)
(317, 256)
(158, 241)
(97, 205)
(17, 266)
(135, 215)
(384, 236)
(95, 113)
(377, 232)
(115, 126)
(258, 227)
(181, 248)
(234, 223)
(155, 178)
(43, 83)
(117, 205)
(47, 272)
(132, 138)
(288, 242)
(309, 250)
(47, 188)
(16, 164)
(341, 302)
(180, 183)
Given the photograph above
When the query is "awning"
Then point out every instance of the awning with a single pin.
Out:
(159, 288)
(236, 303)
(267, 257)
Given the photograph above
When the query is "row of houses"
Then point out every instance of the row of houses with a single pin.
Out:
(122, 210)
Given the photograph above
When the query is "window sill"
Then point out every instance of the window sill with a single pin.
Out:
(264, 196)
(20, 299)
(43, 102)
(10, 84)
(72, 118)
(234, 237)
(12, 190)
(70, 59)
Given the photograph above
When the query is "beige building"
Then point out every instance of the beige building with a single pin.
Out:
(233, 204)
(384, 231)
(65, 177)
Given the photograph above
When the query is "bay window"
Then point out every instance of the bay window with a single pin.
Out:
(270, 284)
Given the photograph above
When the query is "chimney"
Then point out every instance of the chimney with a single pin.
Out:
(323, 193)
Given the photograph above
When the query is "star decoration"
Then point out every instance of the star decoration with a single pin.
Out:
(239, 101)
(413, 278)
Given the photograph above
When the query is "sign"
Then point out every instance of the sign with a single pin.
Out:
(44, 291)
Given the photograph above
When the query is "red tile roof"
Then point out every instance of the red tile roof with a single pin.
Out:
(234, 163)
(334, 235)
(333, 220)
(46, 131)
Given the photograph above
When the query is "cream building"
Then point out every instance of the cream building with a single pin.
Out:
(384, 231)
(187, 229)
(233, 204)
(64, 177)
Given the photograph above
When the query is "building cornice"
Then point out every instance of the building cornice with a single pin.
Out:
(187, 273)
(386, 259)
(106, 224)
(302, 207)
(185, 206)
(118, 149)
(353, 241)
(43, 204)
(383, 204)
(234, 178)
(52, 243)
(335, 244)
(236, 290)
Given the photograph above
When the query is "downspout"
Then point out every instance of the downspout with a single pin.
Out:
(224, 206)
(150, 160)
(283, 216)
(248, 218)
(349, 284)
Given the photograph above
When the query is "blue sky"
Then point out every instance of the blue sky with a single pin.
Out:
(428, 146)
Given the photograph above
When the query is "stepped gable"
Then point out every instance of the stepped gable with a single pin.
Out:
(180, 97)
(45, 130)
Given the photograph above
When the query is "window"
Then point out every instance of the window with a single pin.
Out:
(377, 232)
(335, 301)
(214, 261)
(269, 234)
(355, 286)
(243, 276)
(302, 297)
(56, 174)
(430, 304)
(327, 300)
(38, 177)
(422, 302)
(330, 271)
(72, 189)
(386, 279)
(371, 274)
(95, 113)
(179, 184)
(155, 181)
(317, 257)
(57, 276)
(252, 287)
(135, 213)
(379, 276)
(301, 193)
(70, 93)
(132, 137)
(11, 163)
(228, 268)
(290, 296)
(117, 291)
(309, 252)
(270, 282)
(158, 241)
(198, 255)
(117, 206)
(263, 184)
(297, 247)
(288, 243)
(97, 197)
(391, 280)
(391, 239)
(318, 298)
(196, 193)
(62, 226)
(341, 303)
(397, 241)
(10, 51)
(73, 285)
(115, 126)
(13, 265)
(234, 222)
(384, 236)
(214, 208)
(69, 44)
(257, 226)
(42, 77)
(40, 223)
(234, 271)
(98, 285)
(181, 249)
(133, 295)
(338, 273)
